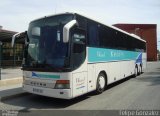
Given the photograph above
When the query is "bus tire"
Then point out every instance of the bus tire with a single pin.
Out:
(140, 69)
(101, 83)
(136, 71)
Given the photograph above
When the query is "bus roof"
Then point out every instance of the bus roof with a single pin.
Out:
(51, 16)
(113, 27)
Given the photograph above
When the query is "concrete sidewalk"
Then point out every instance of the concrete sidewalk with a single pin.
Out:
(11, 81)
(10, 73)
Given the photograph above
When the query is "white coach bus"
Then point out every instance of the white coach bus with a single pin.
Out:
(68, 55)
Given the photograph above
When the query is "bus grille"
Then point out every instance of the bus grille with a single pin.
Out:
(39, 84)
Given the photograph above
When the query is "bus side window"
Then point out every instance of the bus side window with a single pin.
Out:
(79, 42)
(93, 34)
(78, 47)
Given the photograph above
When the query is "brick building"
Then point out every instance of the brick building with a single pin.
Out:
(147, 32)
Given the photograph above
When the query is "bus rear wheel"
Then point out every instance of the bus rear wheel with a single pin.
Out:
(136, 71)
(141, 71)
(101, 83)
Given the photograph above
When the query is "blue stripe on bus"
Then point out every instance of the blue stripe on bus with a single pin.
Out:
(139, 58)
(105, 55)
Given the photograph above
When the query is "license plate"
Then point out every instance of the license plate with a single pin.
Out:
(37, 90)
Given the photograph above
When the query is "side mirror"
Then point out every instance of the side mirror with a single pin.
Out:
(66, 29)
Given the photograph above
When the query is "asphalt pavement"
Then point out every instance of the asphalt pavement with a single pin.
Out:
(141, 93)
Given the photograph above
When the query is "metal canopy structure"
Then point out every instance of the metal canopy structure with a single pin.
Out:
(6, 36)
(10, 56)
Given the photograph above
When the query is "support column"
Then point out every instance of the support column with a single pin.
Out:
(0, 59)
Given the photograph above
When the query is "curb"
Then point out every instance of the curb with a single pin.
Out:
(12, 81)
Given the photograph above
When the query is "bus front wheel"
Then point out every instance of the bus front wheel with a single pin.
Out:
(101, 83)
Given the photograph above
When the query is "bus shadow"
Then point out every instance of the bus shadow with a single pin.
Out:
(31, 101)
(119, 82)
(110, 86)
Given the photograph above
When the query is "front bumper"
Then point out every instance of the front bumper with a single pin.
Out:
(55, 93)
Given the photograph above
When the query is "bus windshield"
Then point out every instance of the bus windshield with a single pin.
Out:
(46, 47)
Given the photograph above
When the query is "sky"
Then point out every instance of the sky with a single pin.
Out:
(15, 15)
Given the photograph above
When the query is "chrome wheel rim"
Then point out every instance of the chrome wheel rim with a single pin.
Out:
(101, 82)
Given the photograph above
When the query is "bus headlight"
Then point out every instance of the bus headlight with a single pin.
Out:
(62, 84)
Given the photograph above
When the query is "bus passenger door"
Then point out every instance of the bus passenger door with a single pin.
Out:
(78, 56)
(79, 83)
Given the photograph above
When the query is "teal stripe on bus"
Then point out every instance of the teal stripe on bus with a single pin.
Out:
(105, 55)
(45, 76)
